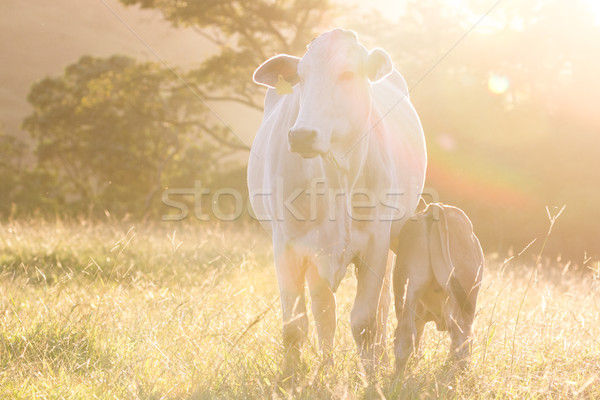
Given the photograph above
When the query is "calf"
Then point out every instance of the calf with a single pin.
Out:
(436, 278)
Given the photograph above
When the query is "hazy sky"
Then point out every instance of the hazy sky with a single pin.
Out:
(39, 38)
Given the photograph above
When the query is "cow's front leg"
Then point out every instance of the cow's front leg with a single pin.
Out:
(323, 308)
(371, 267)
(291, 271)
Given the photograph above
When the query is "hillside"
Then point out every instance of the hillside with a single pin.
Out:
(38, 38)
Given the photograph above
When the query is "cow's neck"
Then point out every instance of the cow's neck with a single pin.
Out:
(343, 171)
(346, 164)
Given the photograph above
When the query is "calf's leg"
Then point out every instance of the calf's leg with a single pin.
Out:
(410, 326)
(460, 325)
(412, 276)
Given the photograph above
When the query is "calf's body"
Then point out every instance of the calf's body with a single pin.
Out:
(436, 278)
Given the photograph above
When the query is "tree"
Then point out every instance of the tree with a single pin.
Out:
(246, 32)
(12, 151)
(116, 132)
(509, 110)
(112, 130)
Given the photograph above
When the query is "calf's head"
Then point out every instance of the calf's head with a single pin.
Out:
(333, 80)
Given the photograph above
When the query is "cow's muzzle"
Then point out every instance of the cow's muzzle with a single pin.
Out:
(303, 142)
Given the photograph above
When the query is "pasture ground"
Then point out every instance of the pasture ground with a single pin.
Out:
(110, 311)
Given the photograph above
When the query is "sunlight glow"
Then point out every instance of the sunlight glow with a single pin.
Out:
(498, 84)
(595, 8)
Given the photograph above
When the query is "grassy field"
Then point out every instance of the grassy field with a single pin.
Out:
(113, 311)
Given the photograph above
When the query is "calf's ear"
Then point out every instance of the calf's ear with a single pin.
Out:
(379, 65)
(268, 72)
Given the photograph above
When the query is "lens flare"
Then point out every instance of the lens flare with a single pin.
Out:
(498, 84)
(594, 7)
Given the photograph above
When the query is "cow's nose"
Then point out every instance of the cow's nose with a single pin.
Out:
(302, 136)
(303, 142)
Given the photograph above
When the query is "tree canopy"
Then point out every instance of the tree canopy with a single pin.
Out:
(508, 107)
(115, 132)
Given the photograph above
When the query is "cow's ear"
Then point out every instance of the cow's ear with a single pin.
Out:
(282, 65)
(379, 65)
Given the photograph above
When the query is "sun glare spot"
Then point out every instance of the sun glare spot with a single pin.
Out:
(498, 84)
(446, 142)
(594, 6)
(517, 24)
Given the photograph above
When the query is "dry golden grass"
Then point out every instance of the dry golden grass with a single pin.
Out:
(105, 311)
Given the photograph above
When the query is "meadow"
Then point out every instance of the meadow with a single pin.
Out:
(187, 311)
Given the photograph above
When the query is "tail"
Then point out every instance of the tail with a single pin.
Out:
(452, 283)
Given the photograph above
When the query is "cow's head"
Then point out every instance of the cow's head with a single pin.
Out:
(334, 80)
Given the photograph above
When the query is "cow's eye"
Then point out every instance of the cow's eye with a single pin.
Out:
(346, 76)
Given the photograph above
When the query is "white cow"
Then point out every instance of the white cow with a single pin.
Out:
(338, 162)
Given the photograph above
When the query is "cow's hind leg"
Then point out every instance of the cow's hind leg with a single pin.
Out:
(383, 310)
(323, 308)
(291, 271)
